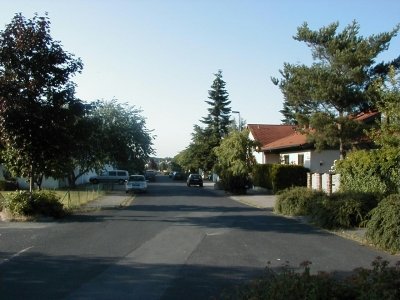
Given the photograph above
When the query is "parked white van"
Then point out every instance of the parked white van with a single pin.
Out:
(113, 176)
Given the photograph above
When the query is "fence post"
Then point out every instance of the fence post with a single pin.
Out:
(319, 181)
(329, 184)
(309, 180)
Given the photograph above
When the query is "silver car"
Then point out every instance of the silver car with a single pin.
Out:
(136, 183)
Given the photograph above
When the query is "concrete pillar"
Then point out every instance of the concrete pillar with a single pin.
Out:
(319, 181)
(329, 184)
(309, 180)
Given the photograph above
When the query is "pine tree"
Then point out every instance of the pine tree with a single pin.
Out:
(218, 119)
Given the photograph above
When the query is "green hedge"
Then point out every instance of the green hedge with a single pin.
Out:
(343, 210)
(339, 210)
(277, 177)
(383, 229)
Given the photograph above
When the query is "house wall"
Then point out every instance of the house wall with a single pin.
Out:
(323, 161)
(259, 156)
(317, 162)
(271, 158)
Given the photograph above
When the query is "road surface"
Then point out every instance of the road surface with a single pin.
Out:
(174, 242)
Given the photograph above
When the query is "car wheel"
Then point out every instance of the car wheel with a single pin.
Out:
(201, 185)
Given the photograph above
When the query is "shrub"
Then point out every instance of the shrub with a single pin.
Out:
(286, 176)
(43, 203)
(370, 171)
(380, 282)
(288, 285)
(262, 175)
(278, 177)
(343, 210)
(297, 201)
(383, 229)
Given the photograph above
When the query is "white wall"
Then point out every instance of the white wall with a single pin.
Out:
(317, 162)
(322, 162)
(259, 156)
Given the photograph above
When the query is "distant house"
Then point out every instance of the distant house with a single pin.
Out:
(283, 144)
(265, 134)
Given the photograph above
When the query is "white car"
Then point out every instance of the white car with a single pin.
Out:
(136, 183)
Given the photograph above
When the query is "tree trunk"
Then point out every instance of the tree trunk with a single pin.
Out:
(72, 179)
(340, 129)
(31, 180)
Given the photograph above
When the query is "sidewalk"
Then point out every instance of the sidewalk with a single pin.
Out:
(257, 199)
(111, 200)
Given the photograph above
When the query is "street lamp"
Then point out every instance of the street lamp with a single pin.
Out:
(238, 112)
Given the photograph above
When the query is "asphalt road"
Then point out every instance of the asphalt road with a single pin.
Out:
(174, 242)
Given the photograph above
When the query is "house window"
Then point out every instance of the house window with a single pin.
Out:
(286, 159)
(300, 159)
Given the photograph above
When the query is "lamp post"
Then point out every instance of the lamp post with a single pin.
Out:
(238, 112)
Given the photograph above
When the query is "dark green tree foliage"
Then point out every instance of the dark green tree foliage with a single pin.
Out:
(337, 85)
(37, 103)
(200, 153)
(218, 120)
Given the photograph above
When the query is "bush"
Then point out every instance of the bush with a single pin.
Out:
(286, 176)
(381, 282)
(297, 201)
(235, 184)
(262, 176)
(43, 203)
(374, 171)
(383, 229)
(343, 210)
(278, 177)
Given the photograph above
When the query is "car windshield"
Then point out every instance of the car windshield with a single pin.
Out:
(136, 178)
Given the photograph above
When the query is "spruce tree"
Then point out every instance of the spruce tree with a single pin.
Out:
(218, 119)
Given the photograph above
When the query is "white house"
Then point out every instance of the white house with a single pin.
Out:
(282, 144)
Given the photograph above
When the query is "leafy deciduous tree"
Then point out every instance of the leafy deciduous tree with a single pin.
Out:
(235, 160)
(37, 103)
(126, 142)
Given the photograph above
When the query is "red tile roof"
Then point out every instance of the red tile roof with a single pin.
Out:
(274, 137)
(266, 134)
(365, 116)
(296, 139)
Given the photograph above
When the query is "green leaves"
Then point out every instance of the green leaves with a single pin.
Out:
(338, 83)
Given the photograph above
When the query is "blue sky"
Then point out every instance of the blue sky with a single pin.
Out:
(161, 55)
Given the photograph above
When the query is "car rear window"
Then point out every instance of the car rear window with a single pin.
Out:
(195, 176)
(136, 178)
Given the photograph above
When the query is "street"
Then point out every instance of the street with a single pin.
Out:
(173, 242)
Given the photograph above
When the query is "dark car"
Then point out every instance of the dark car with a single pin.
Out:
(150, 175)
(194, 179)
(177, 176)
